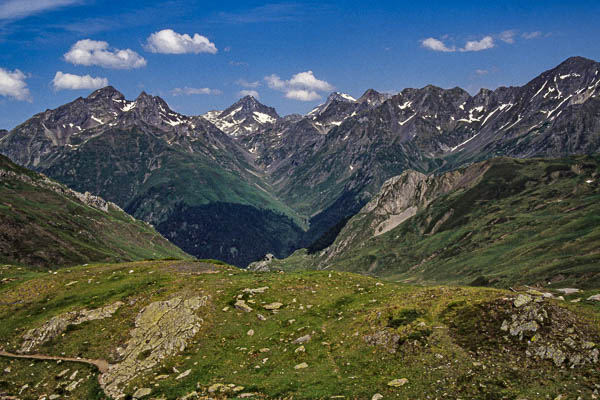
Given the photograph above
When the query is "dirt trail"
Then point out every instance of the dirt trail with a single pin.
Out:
(102, 365)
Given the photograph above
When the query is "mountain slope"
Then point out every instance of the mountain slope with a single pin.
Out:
(243, 117)
(500, 222)
(173, 329)
(43, 223)
(157, 165)
(433, 129)
(301, 175)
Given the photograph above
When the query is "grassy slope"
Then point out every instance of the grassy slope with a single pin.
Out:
(155, 181)
(526, 222)
(336, 308)
(45, 228)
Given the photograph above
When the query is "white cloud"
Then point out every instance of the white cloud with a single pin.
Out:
(190, 91)
(531, 35)
(168, 41)
(508, 36)
(479, 45)
(75, 82)
(246, 84)
(482, 71)
(15, 9)
(308, 80)
(303, 86)
(12, 84)
(302, 95)
(436, 45)
(253, 93)
(91, 52)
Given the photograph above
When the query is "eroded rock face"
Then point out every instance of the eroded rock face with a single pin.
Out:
(161, 329)
(57, 325)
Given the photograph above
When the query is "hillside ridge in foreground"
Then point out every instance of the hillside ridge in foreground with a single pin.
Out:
(188, 330)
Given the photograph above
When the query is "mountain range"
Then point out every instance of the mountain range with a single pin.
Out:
(240, 183)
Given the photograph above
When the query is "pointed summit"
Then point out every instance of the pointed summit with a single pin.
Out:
(106, 93)
(145, 100)
(373, 98)
(246, 106)
(244, 117)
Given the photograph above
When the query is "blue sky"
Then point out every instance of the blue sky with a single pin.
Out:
(201, 55)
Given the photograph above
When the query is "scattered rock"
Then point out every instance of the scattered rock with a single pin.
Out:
(241, 305)
(301, 366)
(261, 317)
(522, 299)
(377, 396)
(273, 306)
(141, 392)
(549, 332)
(387, 339)
(73, 385)
(183, 374)
(217, 387)
(189, 396)
(257, 290)
(398, 382)
(300, 349)
(595, 297)
(568, 290)
(250, 332)
(302, 339)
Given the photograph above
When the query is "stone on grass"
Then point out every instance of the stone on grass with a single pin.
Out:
(301, 366)
(302, 339)
(273, 306)
(398, 382)
(183, 374)
(141, 392)
(241, 305)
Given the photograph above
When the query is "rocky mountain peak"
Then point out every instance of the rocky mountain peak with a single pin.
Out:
(245, 116)
(576, 62)
(247, 105)
(337, 96)
(373, 97)
(106, 93)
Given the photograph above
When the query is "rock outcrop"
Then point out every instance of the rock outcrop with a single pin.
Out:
(550, 332)
(161, 329)
(57, 325)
